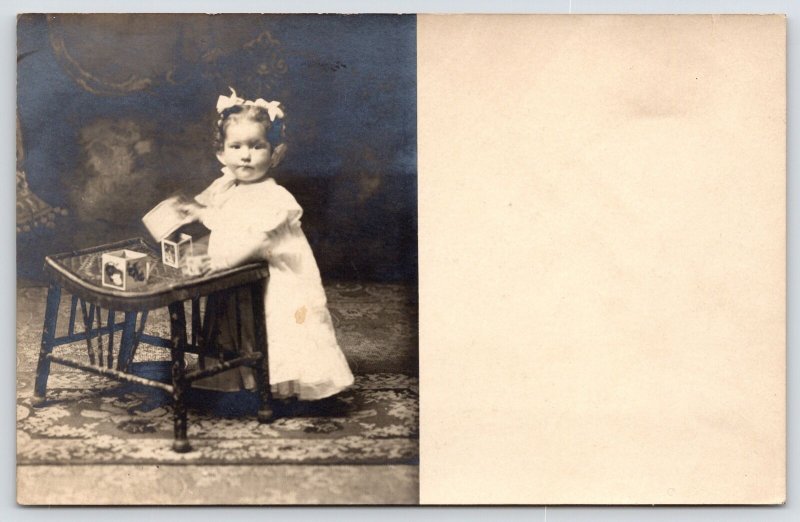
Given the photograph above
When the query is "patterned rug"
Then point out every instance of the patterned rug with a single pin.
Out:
(93, 420)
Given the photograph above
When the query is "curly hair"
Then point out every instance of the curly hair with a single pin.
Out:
(274, 131)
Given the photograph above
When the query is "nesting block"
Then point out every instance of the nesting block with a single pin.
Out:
(125, 269)
(175, 249)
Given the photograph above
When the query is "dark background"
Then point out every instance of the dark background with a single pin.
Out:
(116, 114)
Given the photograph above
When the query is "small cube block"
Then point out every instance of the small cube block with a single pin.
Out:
(125, 269)
(175, 249)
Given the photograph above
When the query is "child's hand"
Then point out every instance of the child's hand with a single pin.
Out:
(190, 210)
(195, 266)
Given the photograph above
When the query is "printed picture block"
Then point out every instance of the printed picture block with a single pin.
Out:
(125, 269)
(175, 249)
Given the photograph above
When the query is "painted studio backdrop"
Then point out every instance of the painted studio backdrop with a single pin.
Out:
(115, 113)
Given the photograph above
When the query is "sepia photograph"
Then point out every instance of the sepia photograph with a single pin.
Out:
(217, 272)
(402, 260)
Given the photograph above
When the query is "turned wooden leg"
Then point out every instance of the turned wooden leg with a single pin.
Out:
(48, 335)
(177, 321)
(265, 411)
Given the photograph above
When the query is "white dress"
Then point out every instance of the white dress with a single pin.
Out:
(262, 221)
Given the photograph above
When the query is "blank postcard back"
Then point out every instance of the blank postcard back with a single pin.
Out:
(602, 259)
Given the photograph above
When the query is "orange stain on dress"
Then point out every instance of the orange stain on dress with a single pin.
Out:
(300, 315)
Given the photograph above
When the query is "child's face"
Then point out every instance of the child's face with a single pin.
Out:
(246, 151)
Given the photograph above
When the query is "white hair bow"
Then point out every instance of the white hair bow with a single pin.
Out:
(273, 108)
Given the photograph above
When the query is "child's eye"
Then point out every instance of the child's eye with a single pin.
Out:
(235, 146)
(260, 146)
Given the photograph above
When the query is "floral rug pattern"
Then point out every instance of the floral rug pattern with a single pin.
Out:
(94, 420)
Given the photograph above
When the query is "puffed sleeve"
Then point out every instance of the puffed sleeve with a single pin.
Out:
(206, 198)
(278, 210)
(261, 216)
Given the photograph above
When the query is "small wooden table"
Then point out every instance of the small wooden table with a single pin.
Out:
(79, 274)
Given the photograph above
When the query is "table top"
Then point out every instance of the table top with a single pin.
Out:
(79, 272)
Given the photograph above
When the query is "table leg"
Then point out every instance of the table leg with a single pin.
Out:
(177, 321)
(48, 334)
(127, 341)
(112, 324)
(265, 411)
(88, 321)
(100, 357)
(196, 325)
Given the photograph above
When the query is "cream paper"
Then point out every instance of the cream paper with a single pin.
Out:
(602, 259)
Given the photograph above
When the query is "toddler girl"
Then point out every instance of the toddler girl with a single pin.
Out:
(253, 218)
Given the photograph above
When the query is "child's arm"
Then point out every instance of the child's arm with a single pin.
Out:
(191, 211)
(250, 246)
(249, 249)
